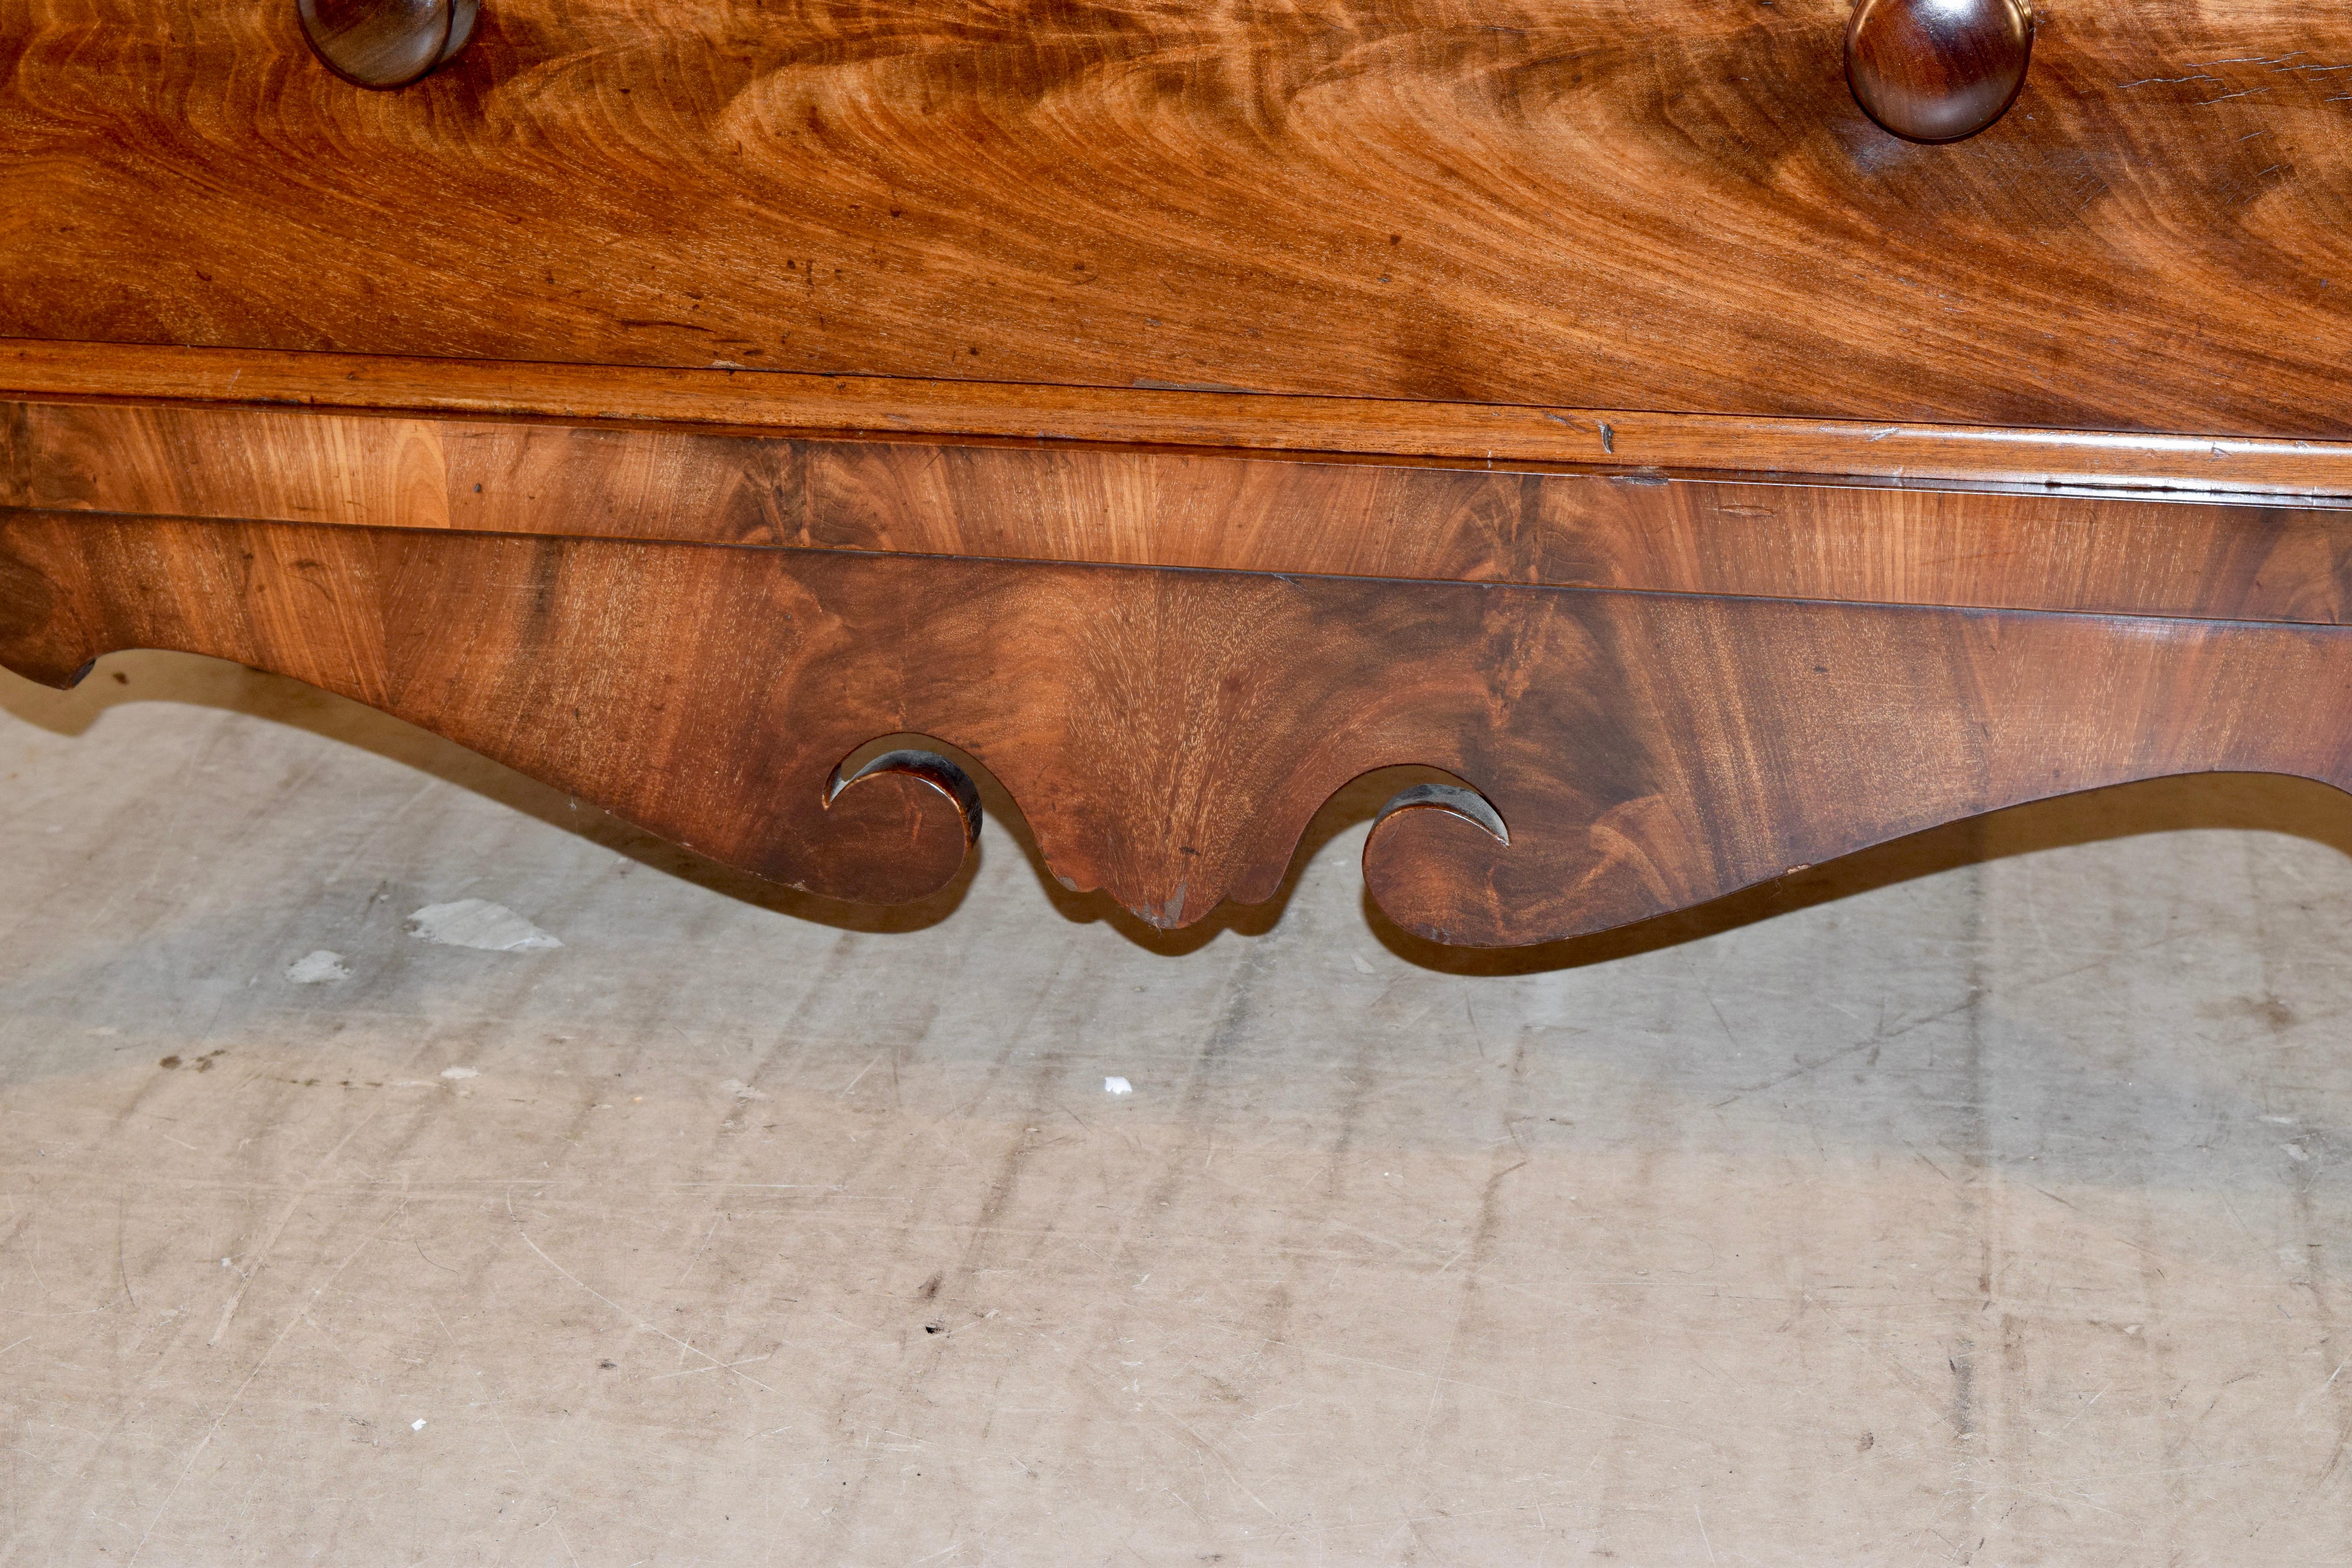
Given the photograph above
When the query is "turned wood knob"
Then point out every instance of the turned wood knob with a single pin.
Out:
(386, 43)
(1937, 71)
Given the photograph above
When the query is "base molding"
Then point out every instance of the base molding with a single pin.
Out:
(1169, 734)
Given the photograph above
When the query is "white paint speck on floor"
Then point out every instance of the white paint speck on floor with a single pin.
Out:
(318, 968)
(478, 923)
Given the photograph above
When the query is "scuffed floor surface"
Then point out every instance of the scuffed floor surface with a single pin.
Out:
(1981, 1199)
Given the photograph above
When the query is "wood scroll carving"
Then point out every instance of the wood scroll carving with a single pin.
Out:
(1169, 733)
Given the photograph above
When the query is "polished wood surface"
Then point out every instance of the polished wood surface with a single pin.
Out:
(1937, 71)
(385, 44)
(746, 416)
(1673, 208)
(1169, 734)
(1600, 440)
(1070, 503)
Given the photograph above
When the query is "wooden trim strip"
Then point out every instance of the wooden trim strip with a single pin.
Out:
(1456, 432)
(2115, 554)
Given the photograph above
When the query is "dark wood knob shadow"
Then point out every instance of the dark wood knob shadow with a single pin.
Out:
(386, 44)
(1937, 71)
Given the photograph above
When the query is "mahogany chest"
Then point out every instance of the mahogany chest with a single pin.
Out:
(1713, 435)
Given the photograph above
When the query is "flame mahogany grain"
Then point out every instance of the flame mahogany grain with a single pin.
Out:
(1543, 313)
(1675, 206)
(1169, 733)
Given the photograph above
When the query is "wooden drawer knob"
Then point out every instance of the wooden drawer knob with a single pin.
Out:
(1937, 71)
(386, 43)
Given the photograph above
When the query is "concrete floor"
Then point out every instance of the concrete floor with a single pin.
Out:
(1979, 1199)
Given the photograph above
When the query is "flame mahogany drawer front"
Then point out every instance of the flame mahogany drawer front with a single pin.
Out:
(1716, 436)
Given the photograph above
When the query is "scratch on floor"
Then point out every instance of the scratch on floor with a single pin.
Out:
(284, 1220)
(716, 1364)
(235, 1399)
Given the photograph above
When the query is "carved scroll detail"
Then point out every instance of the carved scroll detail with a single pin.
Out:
(914, 846)
(1169, 734)
(1453, 799)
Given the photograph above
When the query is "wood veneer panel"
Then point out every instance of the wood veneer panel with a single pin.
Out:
(1162, 508)
(1170, 734)
(1670, 206)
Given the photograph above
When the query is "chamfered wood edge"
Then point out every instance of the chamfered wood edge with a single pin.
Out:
(2218, 465)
